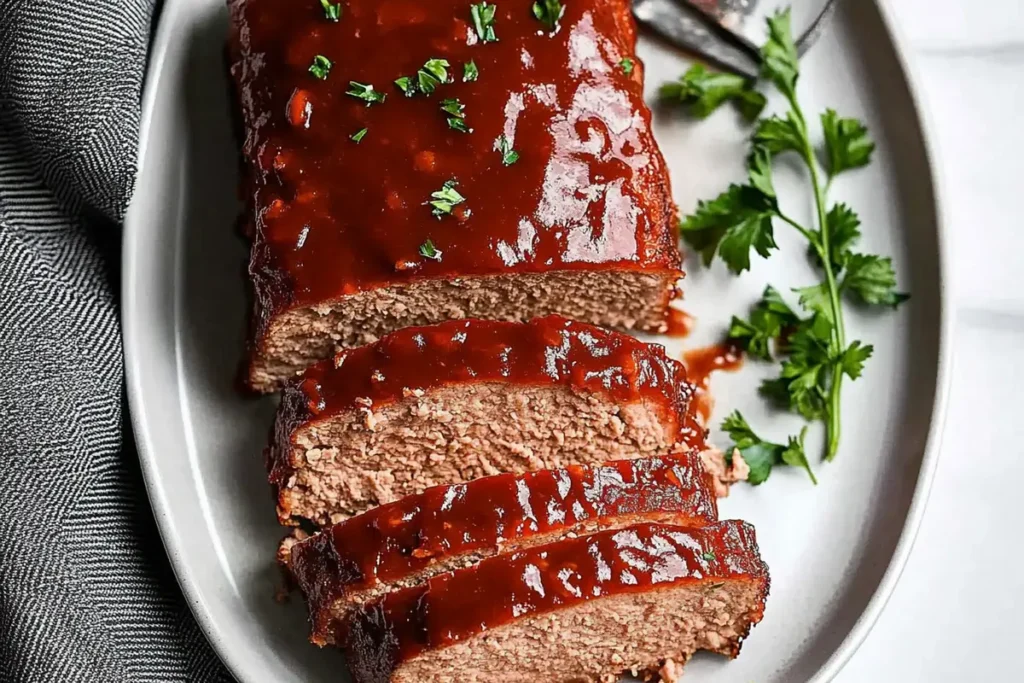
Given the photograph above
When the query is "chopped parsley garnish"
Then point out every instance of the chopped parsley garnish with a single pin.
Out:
(627, 65)
(810, 346)
(445, 199)
(407, 85)
(548, 12)
(470, 72)
(483, 21)
(428, 250)
(358, 136)
(508, 155)
(431, 75)
(320, 67)
(709, 556)
(365, 92)
(331, 10)
(457, 115)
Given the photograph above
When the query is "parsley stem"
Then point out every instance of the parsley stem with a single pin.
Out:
(799, 228)
(832, 425)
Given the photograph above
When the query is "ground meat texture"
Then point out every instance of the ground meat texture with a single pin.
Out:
(405, 543)
(583, 609)
(452, 402)
(349, 241)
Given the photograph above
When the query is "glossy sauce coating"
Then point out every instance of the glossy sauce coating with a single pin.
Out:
(332, 217)
(680, 323)
(702, 363)
(550, 351)
(402, 538)
(454, 607)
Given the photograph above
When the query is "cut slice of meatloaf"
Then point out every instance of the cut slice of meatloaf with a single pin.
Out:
(506, 178)
(445, 404)
(404, 543)
(582, 609)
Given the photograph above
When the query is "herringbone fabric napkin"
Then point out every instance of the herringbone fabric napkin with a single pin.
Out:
(86, 593)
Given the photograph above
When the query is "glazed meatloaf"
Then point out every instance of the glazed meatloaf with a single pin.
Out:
(428, 406)
(580, 609)
(405, 543)
(412, 161)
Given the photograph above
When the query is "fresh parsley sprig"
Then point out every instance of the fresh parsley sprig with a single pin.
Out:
(761, 456)
(812, 348)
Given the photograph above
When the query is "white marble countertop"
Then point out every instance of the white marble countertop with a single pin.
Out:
(944, 621)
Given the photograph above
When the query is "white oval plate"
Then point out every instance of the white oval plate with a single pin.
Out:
(835, 550)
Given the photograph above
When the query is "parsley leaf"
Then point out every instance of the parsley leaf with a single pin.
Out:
(794, 454)
(331, 10)
(627, 65)
(768, 321)
(457, 115)
(358, 136)
(508, 155)
(432, 74)
(321, 67)
(428, 250)
(760, 455)
(470, 72)
(779, 60)
(777, 135)
(483, 21)
(852, 359)
(709, 556)
(703, 91)
(445, 199)
(548, 12)
(873, 280)
(847, 144)
(738, 220)
(816, 299)
(407, 85)
(365, 92)
(844, 228)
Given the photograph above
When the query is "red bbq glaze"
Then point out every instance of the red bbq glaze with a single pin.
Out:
(333, 217)
(550, 351)
(404, 538)
(680, 323)
(456, 606)
(701, 363)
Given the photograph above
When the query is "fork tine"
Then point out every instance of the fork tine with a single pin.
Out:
(692, 31)
(710, 28)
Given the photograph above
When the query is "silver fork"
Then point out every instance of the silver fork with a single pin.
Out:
(728, 32)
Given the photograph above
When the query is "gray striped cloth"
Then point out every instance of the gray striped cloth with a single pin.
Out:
(86, 593)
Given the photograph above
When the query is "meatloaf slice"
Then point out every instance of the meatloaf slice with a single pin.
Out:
(445, 404)
(581, 609)
(527, 185)
(404, 543)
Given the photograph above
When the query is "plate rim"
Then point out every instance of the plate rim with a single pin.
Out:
(163, 36)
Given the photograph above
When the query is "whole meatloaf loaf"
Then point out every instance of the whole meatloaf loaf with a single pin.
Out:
(444, 404)
(406, 542)
(412, 161)
(580, 609)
